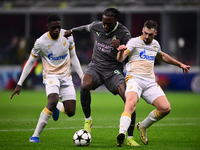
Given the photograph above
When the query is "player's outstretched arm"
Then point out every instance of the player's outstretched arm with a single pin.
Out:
(169, 60)
(67, 33)
(84, 28)
(185, 68)
(16, 91)
(27, 69)
(122, 54)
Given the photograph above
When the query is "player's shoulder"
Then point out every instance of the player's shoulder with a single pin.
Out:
(62, 32)
(135, 39)
(155, 43)
(121, 27)
(95, 24)
(41, 39)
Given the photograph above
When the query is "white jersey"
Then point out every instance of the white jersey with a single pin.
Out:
(54, 53)
(141, 58)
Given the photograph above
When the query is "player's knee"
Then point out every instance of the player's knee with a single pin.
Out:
(85, 87)
(166, 110)
(70, 112)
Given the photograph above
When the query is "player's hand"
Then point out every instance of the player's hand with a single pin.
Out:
(122, 48)
(67, 33)
(115, 43)
(185, 68)
(16, 90)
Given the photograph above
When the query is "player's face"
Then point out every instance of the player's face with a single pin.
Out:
(54, 29)
(148, 34)
(108, 23)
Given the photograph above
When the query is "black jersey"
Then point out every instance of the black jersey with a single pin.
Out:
(104, 55)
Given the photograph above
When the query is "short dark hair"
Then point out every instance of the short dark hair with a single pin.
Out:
(53, 17)
(151, 24)
(112, 12)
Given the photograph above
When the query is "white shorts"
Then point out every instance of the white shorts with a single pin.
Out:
(60, 85)
(148, 90)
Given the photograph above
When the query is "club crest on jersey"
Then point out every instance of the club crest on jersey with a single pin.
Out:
(114, 37)
(144, 56)
(64, 42)
(50, 56)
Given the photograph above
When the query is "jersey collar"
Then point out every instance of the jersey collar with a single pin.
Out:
(113, 29)
(48, 34)
(143, 39)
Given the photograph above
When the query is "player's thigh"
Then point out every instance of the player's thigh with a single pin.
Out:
(113, 82)
(52, 85)
(151, 92)
(133, 85)
(131, 102)
(95, 76)
(67, 92)
(162, 103)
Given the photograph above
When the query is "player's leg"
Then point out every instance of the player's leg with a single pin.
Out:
(44, 116)
(125, 120)
(130, 139)
(52, 92)
(116, 85)
(67, 92)
(162, 109)
(155, 96)
(87, 84)
(68, 98)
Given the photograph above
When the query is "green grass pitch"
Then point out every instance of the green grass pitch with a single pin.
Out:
(180, 130)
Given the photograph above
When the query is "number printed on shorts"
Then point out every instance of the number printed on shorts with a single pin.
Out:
(117, 72)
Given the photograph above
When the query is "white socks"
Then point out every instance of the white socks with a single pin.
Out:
(125, 122)
(153, 117)
(44, 117)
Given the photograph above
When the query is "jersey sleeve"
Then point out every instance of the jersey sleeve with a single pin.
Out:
(36, 49)
(84, 28)
(72, 43)
(126, 37)
(130, 46)
(158, 47)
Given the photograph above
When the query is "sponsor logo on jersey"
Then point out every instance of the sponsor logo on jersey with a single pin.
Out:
(50, 56)
(144, 56)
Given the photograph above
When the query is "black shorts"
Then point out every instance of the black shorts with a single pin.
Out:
(111, 77)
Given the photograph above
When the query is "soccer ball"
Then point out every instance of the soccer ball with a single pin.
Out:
(82, 138)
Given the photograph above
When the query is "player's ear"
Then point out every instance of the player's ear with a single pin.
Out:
(142, 29)
(156, 32)
(47, 26)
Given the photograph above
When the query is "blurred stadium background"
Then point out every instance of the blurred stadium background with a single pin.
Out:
(23, 21)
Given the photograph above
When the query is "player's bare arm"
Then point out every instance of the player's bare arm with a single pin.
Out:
(16, 91)
(122, 54)
(169, 60)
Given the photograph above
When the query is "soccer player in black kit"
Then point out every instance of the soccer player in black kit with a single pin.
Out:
(104, 67)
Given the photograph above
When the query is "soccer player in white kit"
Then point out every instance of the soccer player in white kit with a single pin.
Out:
(57, 53)
(140, 79)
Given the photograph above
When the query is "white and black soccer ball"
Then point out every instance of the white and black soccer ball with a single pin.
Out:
(82, 138)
